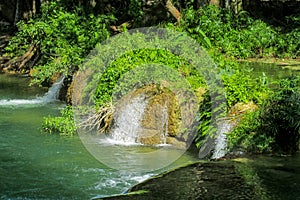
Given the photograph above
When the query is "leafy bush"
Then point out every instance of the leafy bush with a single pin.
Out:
(247, 137)
(206, 127)
(64, 39)
(240, 87)
(276, 126)
(280, 116)
(63, 125)
(239, 36)
(128, 61)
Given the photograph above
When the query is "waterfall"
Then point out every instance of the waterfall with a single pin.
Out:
(220, 148)
(133, 124)
(53, 91)
(127, 121)
(164, 128)
(50, 96)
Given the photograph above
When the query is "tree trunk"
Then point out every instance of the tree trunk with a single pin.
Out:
(215, 2)
(25, 9)
(173, 10)
(17, 12)
(235, 5)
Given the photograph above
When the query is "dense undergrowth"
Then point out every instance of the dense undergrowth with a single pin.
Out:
(241, 36)
(65, 37)
(275, 127)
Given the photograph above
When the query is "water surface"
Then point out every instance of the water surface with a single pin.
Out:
(258, 177)
(34, 165)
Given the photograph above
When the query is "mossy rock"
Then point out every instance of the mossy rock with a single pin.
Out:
(161, 120)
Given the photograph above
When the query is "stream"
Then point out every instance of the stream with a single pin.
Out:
(35, 165)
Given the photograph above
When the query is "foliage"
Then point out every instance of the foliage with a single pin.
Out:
(66, 34)
(239, 36)
(63, 125)
(128, 61)
(135, 10)
(206, 125)
(276, 126)
(196, 33)
(246, 136)
(240, 87)
(238, 83)
(280, 115)
(64, 39)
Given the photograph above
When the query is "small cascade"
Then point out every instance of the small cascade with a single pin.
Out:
(53, 91)
(128, 121)
(137, 122)
(164, 128)
(220, 148)
(50, 96)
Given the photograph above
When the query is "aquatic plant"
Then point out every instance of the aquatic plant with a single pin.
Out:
(62, 125)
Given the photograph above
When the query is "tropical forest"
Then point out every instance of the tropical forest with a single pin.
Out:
(149, 99)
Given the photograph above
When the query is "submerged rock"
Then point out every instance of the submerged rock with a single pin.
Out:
(211, 180)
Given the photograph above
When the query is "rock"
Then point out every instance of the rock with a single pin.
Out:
(242, 108)
(161, 122)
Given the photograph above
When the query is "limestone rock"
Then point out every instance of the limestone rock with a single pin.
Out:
(161, 119)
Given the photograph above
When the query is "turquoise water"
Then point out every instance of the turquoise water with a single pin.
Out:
(16, 87)
(34, 165)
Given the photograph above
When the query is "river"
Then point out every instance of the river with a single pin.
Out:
(35, 165)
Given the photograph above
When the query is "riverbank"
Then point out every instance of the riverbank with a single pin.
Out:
(291, 63)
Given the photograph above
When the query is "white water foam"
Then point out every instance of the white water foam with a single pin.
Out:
(123, 181)
(164, 125)
(128, 120)
(113, 141)
(221, 140)
(50, 96)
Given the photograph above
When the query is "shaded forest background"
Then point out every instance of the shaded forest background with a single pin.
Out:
(11, 11)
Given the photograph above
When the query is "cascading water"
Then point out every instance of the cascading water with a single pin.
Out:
(51, 95)
(164, 124)
(130, 128)
(33, 165)
(131, 119)
(53, 91)
(128, 120)
(220, 148)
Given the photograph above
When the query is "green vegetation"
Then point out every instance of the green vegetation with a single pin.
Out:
(240, 87)
(64, 37)
(63, 125)
(240, 36)
(129, 61)
(275, 126)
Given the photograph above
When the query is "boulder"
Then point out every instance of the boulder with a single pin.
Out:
(161, 120)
